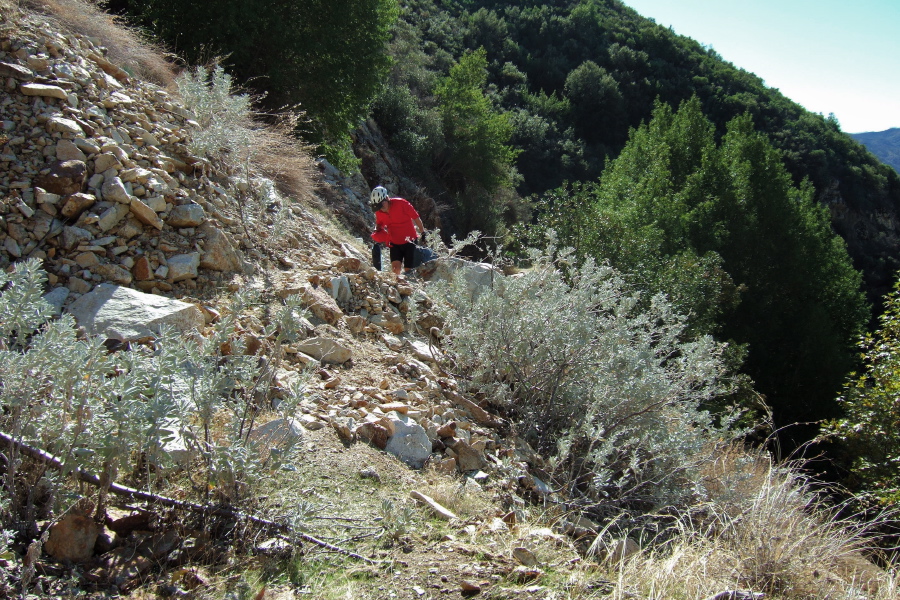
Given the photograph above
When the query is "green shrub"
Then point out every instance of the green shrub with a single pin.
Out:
(869, 430)
(612, 392)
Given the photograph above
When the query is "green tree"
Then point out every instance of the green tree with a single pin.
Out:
(869, 430)
(599, 108)
(477, 135)
(722, 230)
(327, 56)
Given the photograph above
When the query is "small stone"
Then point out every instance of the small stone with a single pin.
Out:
(183, 266)
(47, 91)
(106, 161)
(72, 538)
(326, 350)
(67, 150)
(62, 125)
(187, 215)
(63, 178)
(141, 270)
(525, 556)
(75, 204)
(395, 406)
(114, 190)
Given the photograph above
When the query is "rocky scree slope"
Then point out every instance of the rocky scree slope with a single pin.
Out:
(97, 182)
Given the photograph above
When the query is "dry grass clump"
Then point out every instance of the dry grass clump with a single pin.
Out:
(774, 535)
(126, 47)
(284, 158)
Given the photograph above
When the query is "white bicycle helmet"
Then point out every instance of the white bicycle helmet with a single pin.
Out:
(379, 195)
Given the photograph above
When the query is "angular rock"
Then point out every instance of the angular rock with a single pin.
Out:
(86, 260)
(56, 298)
(75, 204)
(145, 214)
(72, 236)
(12, 247)
(183, 266)
(46, 91)
(112, 216)
(65, 177)
(114, 190)
(67, 150)
(476, 275)
(279, 433)
(141, 270)
(106, 161)
(375, 434)
(63, 125)
(72, 538)
(468, 458)
(425, 351)
(340, 289)
(15, 70)
(187, 215)
(131, 315)
(325, 349)
(349, 265)
(409, 442)
(321, 304)
(113, 273)
(218, 251)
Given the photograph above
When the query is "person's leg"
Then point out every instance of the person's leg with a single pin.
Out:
(376, 256)
(409, 255)
(397, 258)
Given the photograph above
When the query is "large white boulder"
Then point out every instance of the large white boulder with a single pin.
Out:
(130, 315)
(410, 442)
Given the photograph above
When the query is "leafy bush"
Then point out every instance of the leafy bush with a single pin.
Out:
(869, 430)
(611, 391)
(141, 411)
(256, 156)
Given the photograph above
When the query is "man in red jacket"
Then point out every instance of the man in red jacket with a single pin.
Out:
(397, 224)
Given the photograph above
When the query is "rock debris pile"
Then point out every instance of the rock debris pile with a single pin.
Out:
(96, 179)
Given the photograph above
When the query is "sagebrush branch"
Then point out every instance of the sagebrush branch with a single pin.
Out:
(122, 490)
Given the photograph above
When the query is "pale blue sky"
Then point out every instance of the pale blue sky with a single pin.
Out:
(830, 56)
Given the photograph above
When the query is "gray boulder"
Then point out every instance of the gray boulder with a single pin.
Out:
(130, 315)
(410, 441)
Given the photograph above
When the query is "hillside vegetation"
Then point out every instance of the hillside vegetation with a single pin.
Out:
(207, 390)
(883, 144)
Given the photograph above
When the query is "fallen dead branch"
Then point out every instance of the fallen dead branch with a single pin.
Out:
(283, 531)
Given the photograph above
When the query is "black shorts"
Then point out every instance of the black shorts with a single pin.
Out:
(404, 252)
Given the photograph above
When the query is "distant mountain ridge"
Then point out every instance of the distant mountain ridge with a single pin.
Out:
(883, 144)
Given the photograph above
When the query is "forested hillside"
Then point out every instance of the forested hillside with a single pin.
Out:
(883, 144)
(573, 77)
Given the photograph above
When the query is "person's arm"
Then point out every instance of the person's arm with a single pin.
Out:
(418, 223)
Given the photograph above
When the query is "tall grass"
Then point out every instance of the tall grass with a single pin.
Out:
(771, 533)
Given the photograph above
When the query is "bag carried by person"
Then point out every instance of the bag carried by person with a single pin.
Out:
(423, 255)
